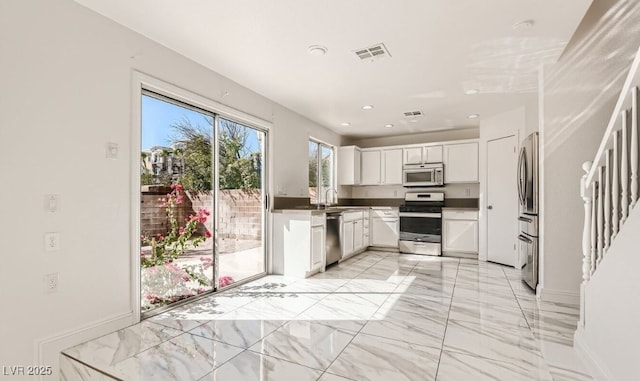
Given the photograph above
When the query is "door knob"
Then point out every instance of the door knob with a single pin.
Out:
(489, 207)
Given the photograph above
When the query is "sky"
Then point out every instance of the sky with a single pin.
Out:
(158, 116)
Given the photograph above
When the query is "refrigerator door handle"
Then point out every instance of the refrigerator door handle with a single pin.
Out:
(525, 219)
(523, 177)
(520, 198)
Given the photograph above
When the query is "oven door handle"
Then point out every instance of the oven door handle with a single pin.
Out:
(425, 215)
(524, 239)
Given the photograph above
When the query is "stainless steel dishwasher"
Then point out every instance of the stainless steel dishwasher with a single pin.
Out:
(334, 237)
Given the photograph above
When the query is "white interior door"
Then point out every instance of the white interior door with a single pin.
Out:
(502, 201)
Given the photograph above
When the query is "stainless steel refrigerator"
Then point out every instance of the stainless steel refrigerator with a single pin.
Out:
(528, 196)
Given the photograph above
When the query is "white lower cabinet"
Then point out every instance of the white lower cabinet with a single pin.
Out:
(358, 234)
(317, 246)
(460, 231)
(353, 232)
(385, 227)
(347, 238)
(299, 243)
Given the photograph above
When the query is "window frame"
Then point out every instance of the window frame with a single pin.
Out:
(321, 196)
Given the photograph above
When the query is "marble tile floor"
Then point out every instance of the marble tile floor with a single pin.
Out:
(378, 316)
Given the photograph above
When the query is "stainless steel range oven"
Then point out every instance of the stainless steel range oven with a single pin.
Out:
(421, 223)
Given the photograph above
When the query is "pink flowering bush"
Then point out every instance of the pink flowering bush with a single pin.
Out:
(225, 281)
(163, 279)
(167, 248)
(166, 284)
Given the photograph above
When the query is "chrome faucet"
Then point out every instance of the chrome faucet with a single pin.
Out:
(326, 196)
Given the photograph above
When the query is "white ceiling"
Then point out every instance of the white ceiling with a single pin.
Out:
(439, 49)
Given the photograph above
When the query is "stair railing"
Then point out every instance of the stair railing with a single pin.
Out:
(609, 187)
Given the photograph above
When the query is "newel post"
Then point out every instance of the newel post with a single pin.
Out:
(586, 235)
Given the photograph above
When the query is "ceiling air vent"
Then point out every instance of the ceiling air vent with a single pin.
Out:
(413, 114)
(372, 52)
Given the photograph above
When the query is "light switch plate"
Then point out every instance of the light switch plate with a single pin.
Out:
(51, 203)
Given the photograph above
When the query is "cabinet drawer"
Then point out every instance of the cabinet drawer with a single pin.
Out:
(317, 220)
(352, 216)
(459, 215)
(380, 213)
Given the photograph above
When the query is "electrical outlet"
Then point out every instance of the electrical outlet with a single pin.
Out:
(395, 193)
(52, 241)
(51, 283)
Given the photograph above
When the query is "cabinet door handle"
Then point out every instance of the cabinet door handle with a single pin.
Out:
(524, 239)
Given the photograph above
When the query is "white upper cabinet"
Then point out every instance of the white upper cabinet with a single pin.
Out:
(349, 165)
(433, 154)
(422, 155)
(412, 155)
(461, 163)
(371, 167)
(381, 166)
(392, 165)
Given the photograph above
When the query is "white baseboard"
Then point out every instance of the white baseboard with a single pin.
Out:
(598, 371)
(557, 296)
(47, 349)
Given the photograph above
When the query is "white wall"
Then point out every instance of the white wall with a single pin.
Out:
(578, 97)
(509, 123)
(66, 79)
(610, 339)
(425, 137)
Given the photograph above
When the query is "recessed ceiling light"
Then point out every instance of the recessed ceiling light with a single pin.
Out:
(367, 107)
(388, 125)
(473, 116)
(345, 124)
(317, 50)
(472, 91)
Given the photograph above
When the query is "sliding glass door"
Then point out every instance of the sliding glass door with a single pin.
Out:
(241, 196)
(202, 200)
(176, 195)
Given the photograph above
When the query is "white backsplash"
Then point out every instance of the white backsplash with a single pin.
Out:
(398, 191)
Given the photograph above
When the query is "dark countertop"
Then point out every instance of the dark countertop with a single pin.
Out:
(302, 203)
(462, 203)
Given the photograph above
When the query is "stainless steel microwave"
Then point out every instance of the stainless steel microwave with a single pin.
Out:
(423, 175)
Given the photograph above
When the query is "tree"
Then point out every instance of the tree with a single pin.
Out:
(195, 142)
(313, 165)
(146, 178)
(238, 168)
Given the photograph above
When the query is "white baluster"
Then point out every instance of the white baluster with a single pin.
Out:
(607, 200)
(594, 224)
(615, 185)
(600, 218)
(586, 232)
(624, 169)
(634, 148)
(586, 238)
